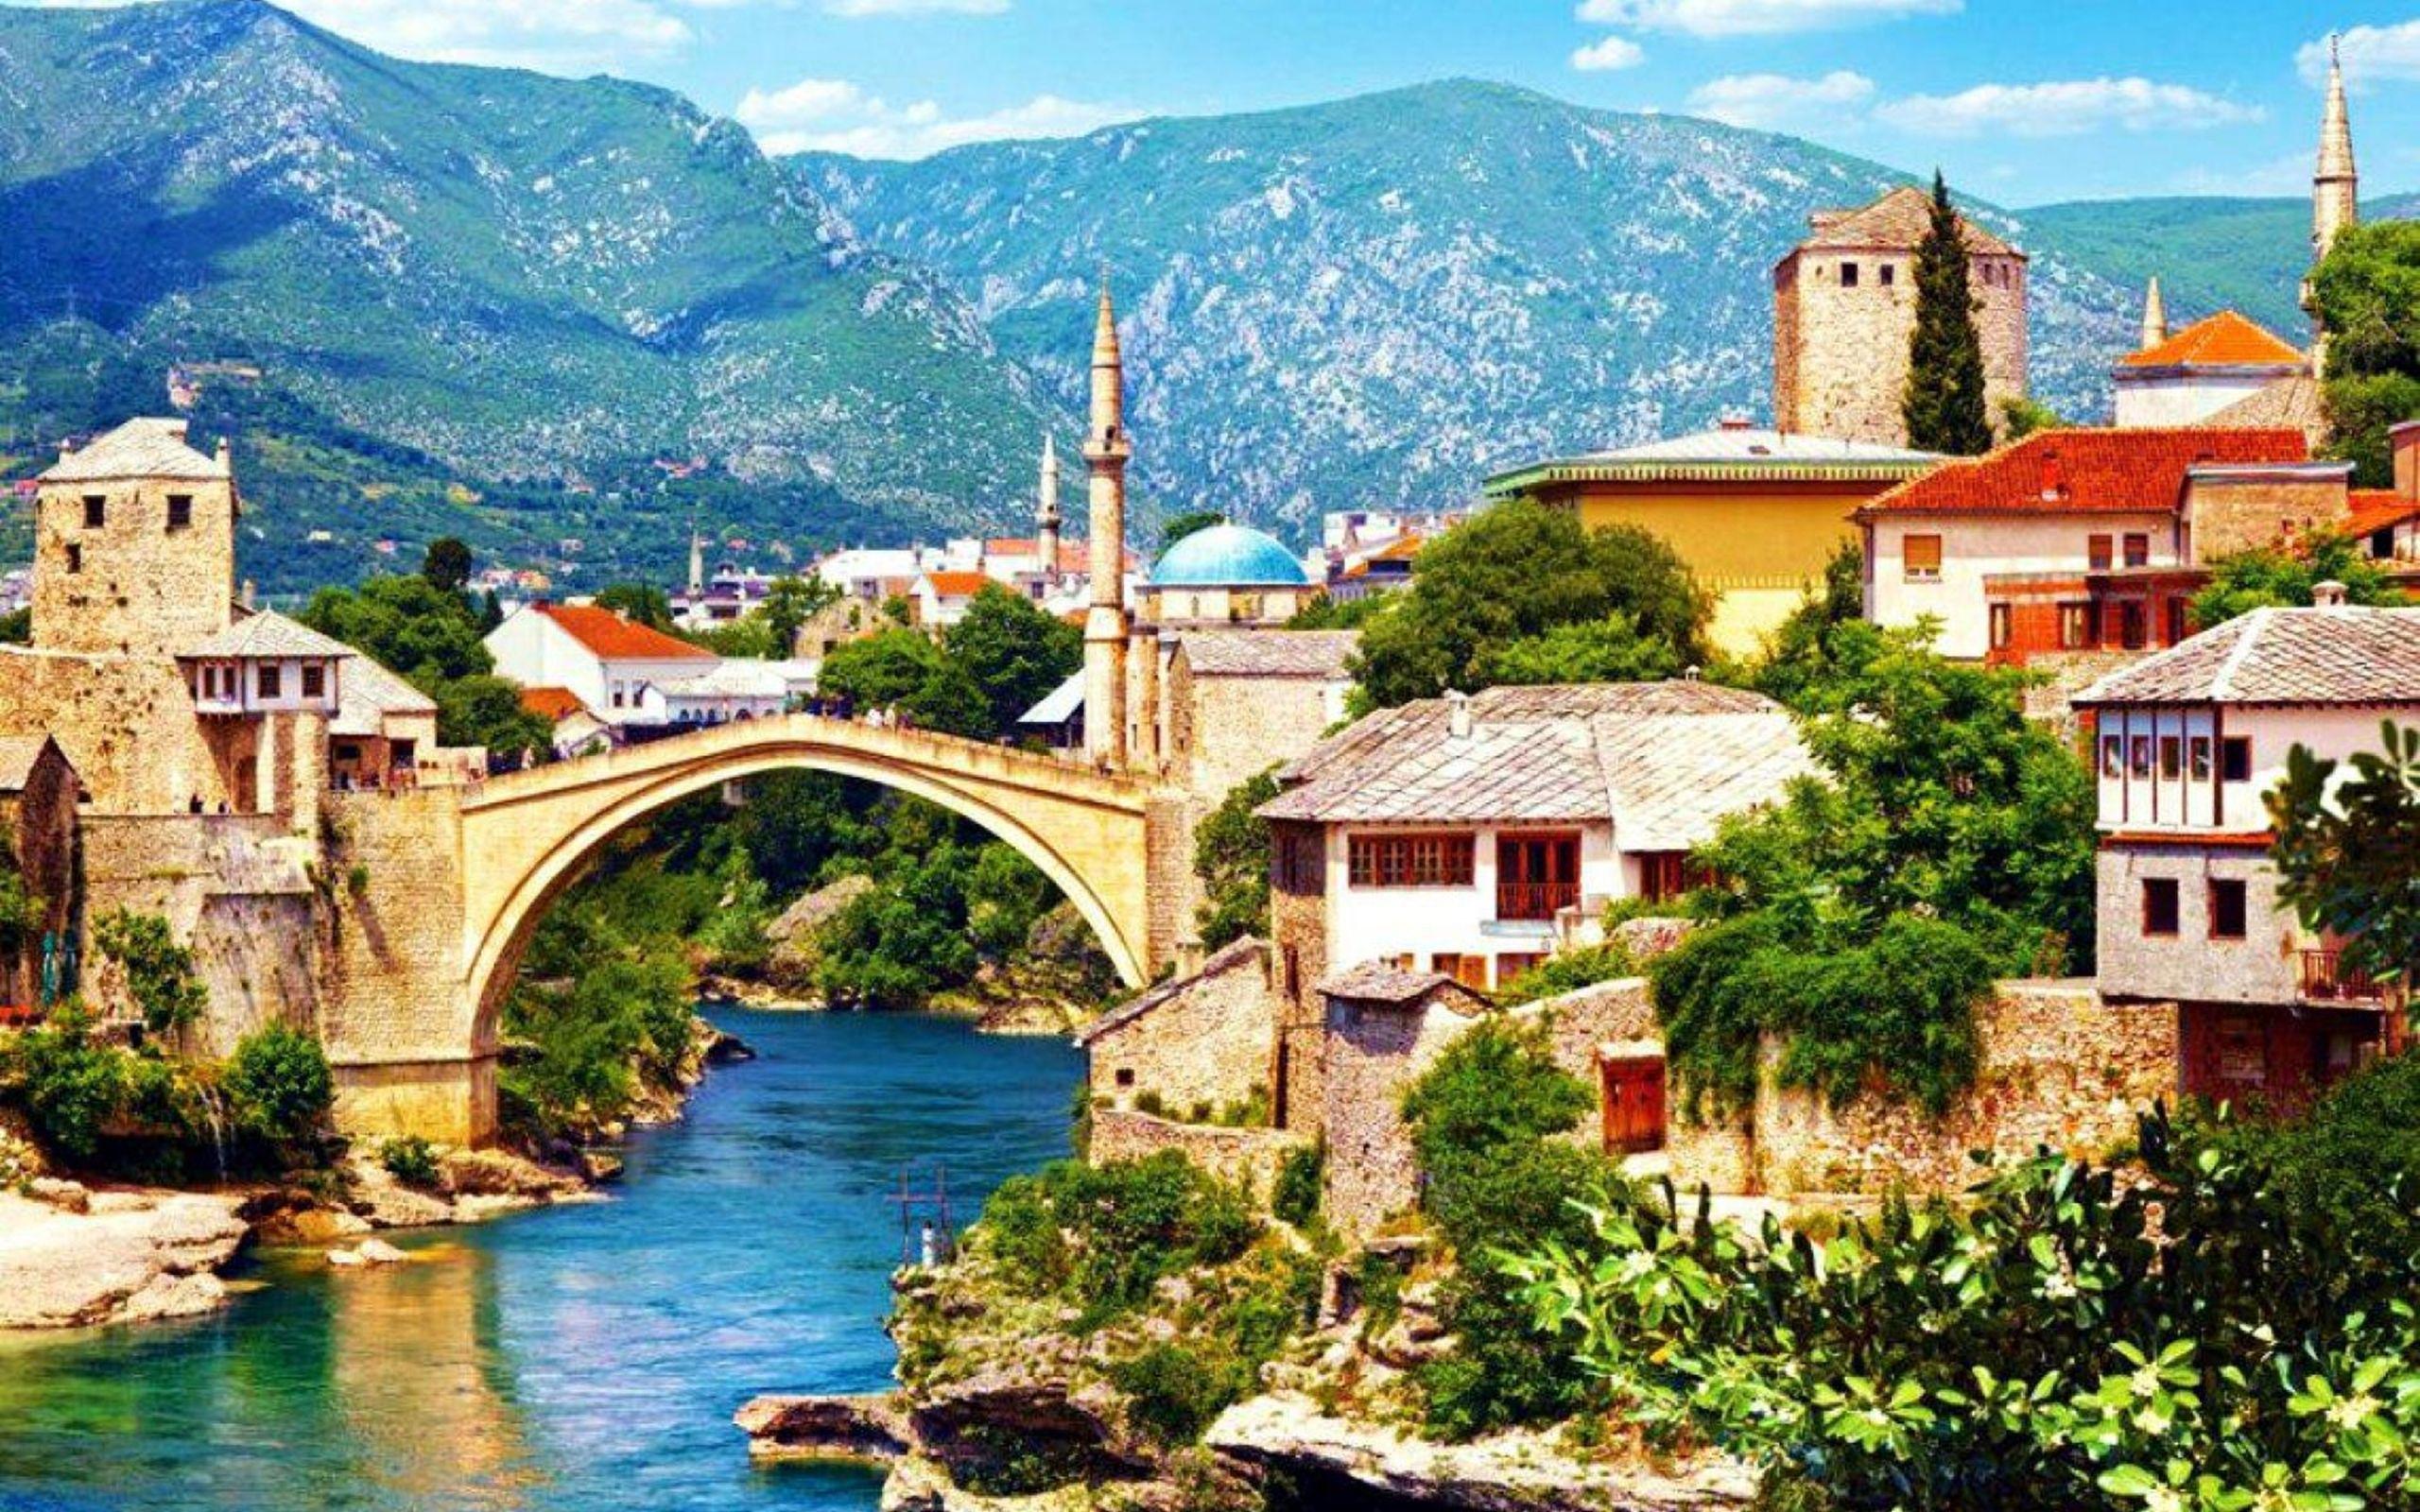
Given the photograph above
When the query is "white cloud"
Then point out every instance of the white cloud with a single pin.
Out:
(915, 8)
(2287, 175)
(836, 115)
(1607, 55)
(1773, 101)
(1749, 18)
(2065, 108)
(2372, 55)
(558, 35)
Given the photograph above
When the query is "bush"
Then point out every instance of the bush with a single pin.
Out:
(158, 972)
(1104, 1235)
(1568, 972)
(1174, 1390)
(1294, 1195)
(68, 1085)
(410, 1161)
(278, 1085)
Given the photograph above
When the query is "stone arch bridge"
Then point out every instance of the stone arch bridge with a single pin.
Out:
(444, 888)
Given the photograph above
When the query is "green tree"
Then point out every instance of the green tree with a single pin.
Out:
(1326, 613)
(1799, 656)
(903, 669)
(446, 564)
(1191, 523)
(2268, 576)
(485, 710)
(1231, 857)
(17, 627)
(1014, 650)
(1607, 650)
(639, 603)
(279, 1084)
(1943, 403)
(160, 974)
(1005, 895)
(790, 601)
(2361, 411)
(2348, 851)
(407, 624)
(1516, 572)
(2020, 417)
(2367, 295)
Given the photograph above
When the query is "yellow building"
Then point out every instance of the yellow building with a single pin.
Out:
(1754, 513)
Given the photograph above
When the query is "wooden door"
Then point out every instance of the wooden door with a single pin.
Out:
(1632, 1094)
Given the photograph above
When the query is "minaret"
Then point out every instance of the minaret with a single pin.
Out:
(1106, 450)
(2155, 317)
(697, 561)
(2335, 192)
(1045, 519)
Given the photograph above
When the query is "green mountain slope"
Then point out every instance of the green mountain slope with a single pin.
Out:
(1376, 301)
(458, 280)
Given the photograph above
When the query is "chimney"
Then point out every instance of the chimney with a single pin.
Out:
(244, 596)
(1458, 714)
(2329, 595)
(66, 447)
(2405, 439)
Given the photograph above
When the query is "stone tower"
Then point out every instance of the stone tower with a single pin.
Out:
(1106, 451)
(134, 543)
(1046, 518)
(2335, 189)
(1844, 309)
(2155, 317)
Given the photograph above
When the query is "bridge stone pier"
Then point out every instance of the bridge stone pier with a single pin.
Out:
(436, 892)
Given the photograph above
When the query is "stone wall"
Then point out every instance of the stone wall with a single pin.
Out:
(1207, 1039)
(1841, 354)
(1298, 961)
(2060, 1067)
(2229, 511)
(41, 827)
(1249, 1158)
(131, 584)
(126, 723)
(1374, 1052)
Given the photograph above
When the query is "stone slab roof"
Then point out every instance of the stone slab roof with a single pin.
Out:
(2085, 472)
(1674, 776)
(145, 448)
(18, 756)
(1231, 956)
(1557, 754)
(1895, 222)
(366, 694)
(2293, 402)
(1377, 981)
(1269, 653)
(2280, 656)
(2226, 339)
(266, 633)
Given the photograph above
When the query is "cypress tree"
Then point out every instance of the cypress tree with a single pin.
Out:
(1944, 405)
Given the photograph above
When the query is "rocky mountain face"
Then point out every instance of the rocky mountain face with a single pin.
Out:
(1378, 300)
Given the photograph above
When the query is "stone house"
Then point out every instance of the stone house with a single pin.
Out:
(613, 665)
(1844, 307)
(1382, 1028)
(1203, 1039)
(2185, 745)
(38, 797)
(1237, 702)
(2076, 542)
(384, 727)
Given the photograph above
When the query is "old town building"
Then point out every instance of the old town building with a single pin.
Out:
(38, 797)
(1755, 513)
(2184, 746)
(613, 664)
(2189, 377)
(1844, 307)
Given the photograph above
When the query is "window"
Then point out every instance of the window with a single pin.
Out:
(1411, 860)
(96, 511)
(2099, 551)
(1921, 556)
(2140, 757)
(268, 681)
(1664, 875)
(2138, 551)
(74, 558)
(2075, 625)
(1848, 275)
(2177, 609)
(179, 511)
(2113, 757)
(2235, 760)
(2198, 758)
(2130, 626)
(2002, 627)
(1126, 1076)
(2159, 905)
(2172, 758)
(1886, 274)
(2226, 908)
(315, 680)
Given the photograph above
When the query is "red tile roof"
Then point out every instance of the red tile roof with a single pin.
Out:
(2085, 471)
(956, 585)
(2376, 508)
(2226, 339)
(1010, 546)
(550, 703)
(610, 636)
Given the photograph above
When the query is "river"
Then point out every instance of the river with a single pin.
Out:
(585, 1357)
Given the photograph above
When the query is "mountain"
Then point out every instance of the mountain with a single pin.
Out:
(1378, 300)
(474, 298)
(2209, 254)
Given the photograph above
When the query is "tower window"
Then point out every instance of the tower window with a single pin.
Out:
(179, 511)
(96, 511)
(1886, 274)
(1848, 275)
(74, 558)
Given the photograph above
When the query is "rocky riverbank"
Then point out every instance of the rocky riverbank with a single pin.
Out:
(71, 1257)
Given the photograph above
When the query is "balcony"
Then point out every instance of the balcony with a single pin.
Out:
(2328, 979)
(1538, 901)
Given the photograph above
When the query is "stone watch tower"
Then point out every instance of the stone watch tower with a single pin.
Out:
(1046, 518)
(135, 545)
(2335, 191)
(1106, 451)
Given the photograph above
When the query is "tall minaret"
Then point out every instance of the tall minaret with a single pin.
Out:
(697, 559)
(1106, 450)
(1045, 519)
(2155, 317)
(2335, 190)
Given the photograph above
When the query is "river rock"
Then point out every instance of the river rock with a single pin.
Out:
(379, 1252)
(501, 1174)
(346, 1259)
(67, 1197)
(1505, 1472)
(130, 1256)
(867, 1427)
(312, 1227)
(600, 1166)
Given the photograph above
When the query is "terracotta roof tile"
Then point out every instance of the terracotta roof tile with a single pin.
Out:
(1898, 220)
(551, 703)
(2085, 471)
(956, 585)
(2226, 339)
(2280, 656)
(610, 636)
(2376, 508)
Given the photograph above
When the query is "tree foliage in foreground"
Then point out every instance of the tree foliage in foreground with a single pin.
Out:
(1943, 403)
(2273, 578)
(2367, 292)
(1230, 858)
(2347, 851)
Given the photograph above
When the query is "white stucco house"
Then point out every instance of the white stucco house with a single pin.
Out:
(617, 668)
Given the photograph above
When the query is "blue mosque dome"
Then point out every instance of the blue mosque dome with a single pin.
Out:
(1229, 557)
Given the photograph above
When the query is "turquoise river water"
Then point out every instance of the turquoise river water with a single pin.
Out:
(585, 1357)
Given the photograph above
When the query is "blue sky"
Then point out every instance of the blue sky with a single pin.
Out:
(2021, 101)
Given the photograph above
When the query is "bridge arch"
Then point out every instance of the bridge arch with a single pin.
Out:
(528, 838)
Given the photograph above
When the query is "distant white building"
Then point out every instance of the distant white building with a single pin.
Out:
(615, 667)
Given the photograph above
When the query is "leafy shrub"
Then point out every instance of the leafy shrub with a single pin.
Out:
(1491, 1088)
(410, 1161)
(69, 1085)
(278, 1084)
(1174, 1390)
(158, 972)
(1570, 971)
(1294, 1195)
(1104, 1235)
